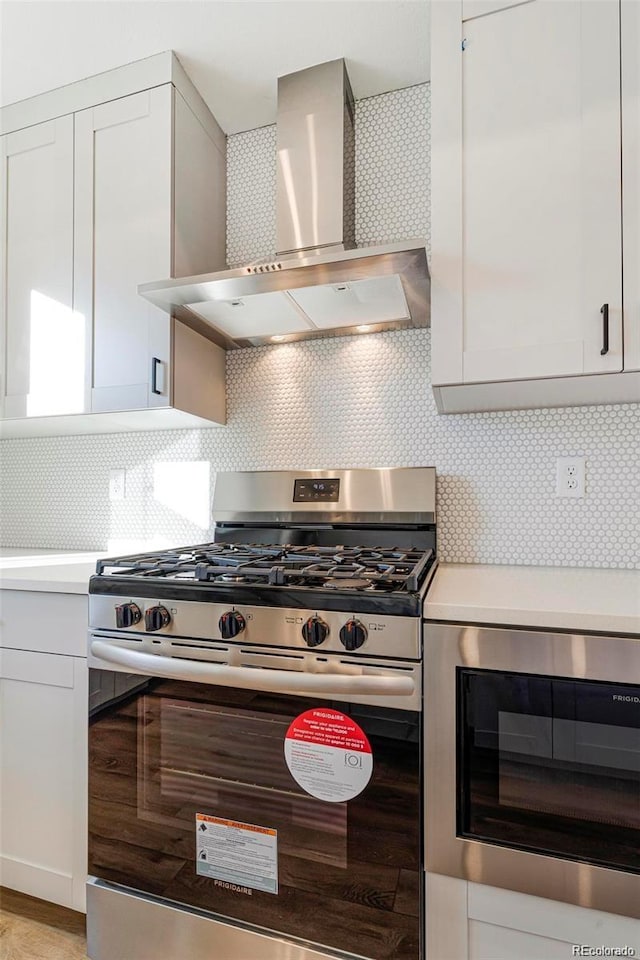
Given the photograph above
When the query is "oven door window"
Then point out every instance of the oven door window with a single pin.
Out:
(550, 765)
(348, 873)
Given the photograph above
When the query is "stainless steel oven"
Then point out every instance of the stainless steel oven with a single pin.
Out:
(255, 731)
(533, 762)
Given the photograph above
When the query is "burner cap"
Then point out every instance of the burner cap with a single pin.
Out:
(346, 583)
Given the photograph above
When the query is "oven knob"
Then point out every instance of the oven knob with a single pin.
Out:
(315, 631)
(155, 618)
(353, 634)
(231, 624)
(127, 615)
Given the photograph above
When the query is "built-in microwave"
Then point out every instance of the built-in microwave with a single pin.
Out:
(533, 762)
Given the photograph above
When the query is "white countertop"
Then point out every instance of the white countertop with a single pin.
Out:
(562, 598)
(49, 571)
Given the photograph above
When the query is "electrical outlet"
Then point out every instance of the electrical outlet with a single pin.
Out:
(570, 477)
(117, 484)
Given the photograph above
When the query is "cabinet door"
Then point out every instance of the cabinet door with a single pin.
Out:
(43, 823)
(44, 339)
(540, 230)
(123, 237)
(630, 32)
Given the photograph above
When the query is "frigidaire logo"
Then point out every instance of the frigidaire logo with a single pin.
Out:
(233, 886)
(617, 696)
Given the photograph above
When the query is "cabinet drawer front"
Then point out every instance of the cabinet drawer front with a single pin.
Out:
(51, 623)
(28, 667)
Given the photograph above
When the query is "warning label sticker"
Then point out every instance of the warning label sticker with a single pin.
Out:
(328, 755)
(238, 856)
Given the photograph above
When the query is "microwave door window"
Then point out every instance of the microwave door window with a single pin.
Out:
(551, 765)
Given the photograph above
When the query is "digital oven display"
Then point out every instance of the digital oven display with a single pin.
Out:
(326, 491)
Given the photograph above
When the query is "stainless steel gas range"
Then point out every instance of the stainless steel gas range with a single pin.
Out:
(256, 727)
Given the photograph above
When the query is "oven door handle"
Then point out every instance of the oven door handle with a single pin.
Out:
(252, 678)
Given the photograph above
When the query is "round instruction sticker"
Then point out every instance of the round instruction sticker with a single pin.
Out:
(328, 755)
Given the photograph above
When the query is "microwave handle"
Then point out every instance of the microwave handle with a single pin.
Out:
(251, 678)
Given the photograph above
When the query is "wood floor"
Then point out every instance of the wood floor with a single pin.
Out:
(34, 930)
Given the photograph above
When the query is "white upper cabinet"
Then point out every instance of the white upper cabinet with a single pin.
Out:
(123, 228)
(127, 190)
(42, 334)
(541, 191)
(526, 206)
(630, 15)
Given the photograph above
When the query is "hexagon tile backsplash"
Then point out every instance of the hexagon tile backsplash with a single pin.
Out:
(359, 401)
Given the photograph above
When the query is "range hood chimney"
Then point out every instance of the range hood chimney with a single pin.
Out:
(316, 169)
(319, 285)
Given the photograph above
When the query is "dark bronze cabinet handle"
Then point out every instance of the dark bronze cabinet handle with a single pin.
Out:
(155, 362)
(604, 310)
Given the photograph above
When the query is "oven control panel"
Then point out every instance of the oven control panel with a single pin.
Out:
(353, 634)
(316, 491)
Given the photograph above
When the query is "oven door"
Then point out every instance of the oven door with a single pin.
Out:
(293, 814)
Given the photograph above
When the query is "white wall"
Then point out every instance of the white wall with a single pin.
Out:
(350, 402)
(233, 50)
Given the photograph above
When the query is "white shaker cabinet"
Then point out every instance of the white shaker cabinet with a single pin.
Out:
(135, 190)
(472, 921)
(123, 231)
(43, 745)
(630, 32)
(40, 331)
(526, 206)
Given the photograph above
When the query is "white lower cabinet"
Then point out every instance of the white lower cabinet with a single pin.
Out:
(471, 921)
(43, 756)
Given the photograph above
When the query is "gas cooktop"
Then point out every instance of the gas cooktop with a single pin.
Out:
(331, 559)
(334, 578)
(319, 568)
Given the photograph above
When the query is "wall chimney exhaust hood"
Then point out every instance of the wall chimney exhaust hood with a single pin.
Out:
(318, 285)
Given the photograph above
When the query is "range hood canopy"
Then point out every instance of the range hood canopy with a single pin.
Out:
(318, 285)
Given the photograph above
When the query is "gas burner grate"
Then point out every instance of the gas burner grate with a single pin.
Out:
(370, 569)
